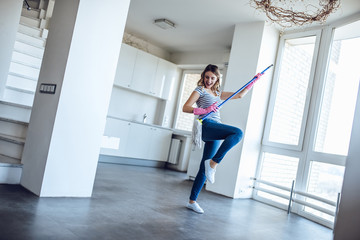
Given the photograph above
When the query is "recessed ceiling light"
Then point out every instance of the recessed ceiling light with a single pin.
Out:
(164, 23)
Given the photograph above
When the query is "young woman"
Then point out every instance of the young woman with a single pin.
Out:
(207, 96)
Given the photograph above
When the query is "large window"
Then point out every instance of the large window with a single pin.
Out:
(339, 98)
(291, 96)
(184, 121)
(310, 117)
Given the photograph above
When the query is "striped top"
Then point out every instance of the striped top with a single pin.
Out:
(206, 100)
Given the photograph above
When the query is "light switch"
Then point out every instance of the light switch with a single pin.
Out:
(48, 88)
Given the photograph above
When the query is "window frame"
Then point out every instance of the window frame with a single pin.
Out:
(270, 113)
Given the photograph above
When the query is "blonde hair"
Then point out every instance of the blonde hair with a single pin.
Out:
(215, 70)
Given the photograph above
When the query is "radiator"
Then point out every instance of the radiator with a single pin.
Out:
(174, 151)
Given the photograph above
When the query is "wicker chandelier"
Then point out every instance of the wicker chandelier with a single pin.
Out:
(290, 13)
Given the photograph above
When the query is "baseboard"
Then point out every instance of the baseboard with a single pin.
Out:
(130, 161)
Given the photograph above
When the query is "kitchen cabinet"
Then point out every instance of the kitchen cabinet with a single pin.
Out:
(169, 73)
(165, 76)
(145, 73)
(159, 145)
(137, 140)
(117, 132)
(137, 145)
(125, 66)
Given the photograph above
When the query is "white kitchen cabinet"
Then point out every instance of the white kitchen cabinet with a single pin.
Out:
(160, 78)
(170, 73)
(137, 145)
(165, 76)
(125, 66)
(115, 137)
(136, 140)
(144, 72)
(159, 144)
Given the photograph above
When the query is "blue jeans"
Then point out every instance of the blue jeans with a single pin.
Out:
(212, 134)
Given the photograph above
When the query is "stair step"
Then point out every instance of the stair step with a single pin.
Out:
(12, 139)
(20, 82)
(26, 59)
(19, 96)
(24, 70)
(11, 146)
(9, 161)
(15, 111)
(14, 121)
(34, 41)
(30, 21)
(29, 49)
(10, 127)
(31, 31)
(22, 76)
(33, 13)
(19, 90)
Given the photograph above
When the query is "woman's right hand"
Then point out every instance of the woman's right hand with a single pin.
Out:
(201, 111)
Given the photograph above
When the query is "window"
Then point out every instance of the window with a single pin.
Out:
(291, 96)
(325, 180)
(185, 121)
(339, 98)
(310, 117)
(278, 169)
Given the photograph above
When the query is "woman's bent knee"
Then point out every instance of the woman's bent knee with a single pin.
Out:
(238, 134)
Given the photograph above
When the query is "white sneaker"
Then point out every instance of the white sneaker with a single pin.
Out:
(195, 207)
(209, 171)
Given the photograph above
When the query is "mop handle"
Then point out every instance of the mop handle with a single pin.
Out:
(237, 92)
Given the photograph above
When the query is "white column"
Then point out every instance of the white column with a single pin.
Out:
(10, 12)
(253, 48)
(347, 224)
(64, 136)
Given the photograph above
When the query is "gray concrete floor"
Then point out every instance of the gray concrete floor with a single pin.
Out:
(132, 202)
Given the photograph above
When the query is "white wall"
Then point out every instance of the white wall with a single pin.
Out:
(201, 58)
(253, 49)
(132, 106)
(347, 225)
(145, 46)
(10, 12)
(257, 114)
(64, 136)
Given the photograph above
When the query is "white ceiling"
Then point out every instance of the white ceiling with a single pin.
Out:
(201, 25)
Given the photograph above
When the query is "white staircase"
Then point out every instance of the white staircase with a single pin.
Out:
(14, 120)
(17, 100)
(27, 57)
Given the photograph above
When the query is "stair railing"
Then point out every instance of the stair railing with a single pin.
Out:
(27, 5)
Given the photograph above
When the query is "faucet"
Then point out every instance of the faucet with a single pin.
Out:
(144, 118)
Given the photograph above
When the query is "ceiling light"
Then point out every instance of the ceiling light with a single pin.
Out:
(164, 23)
